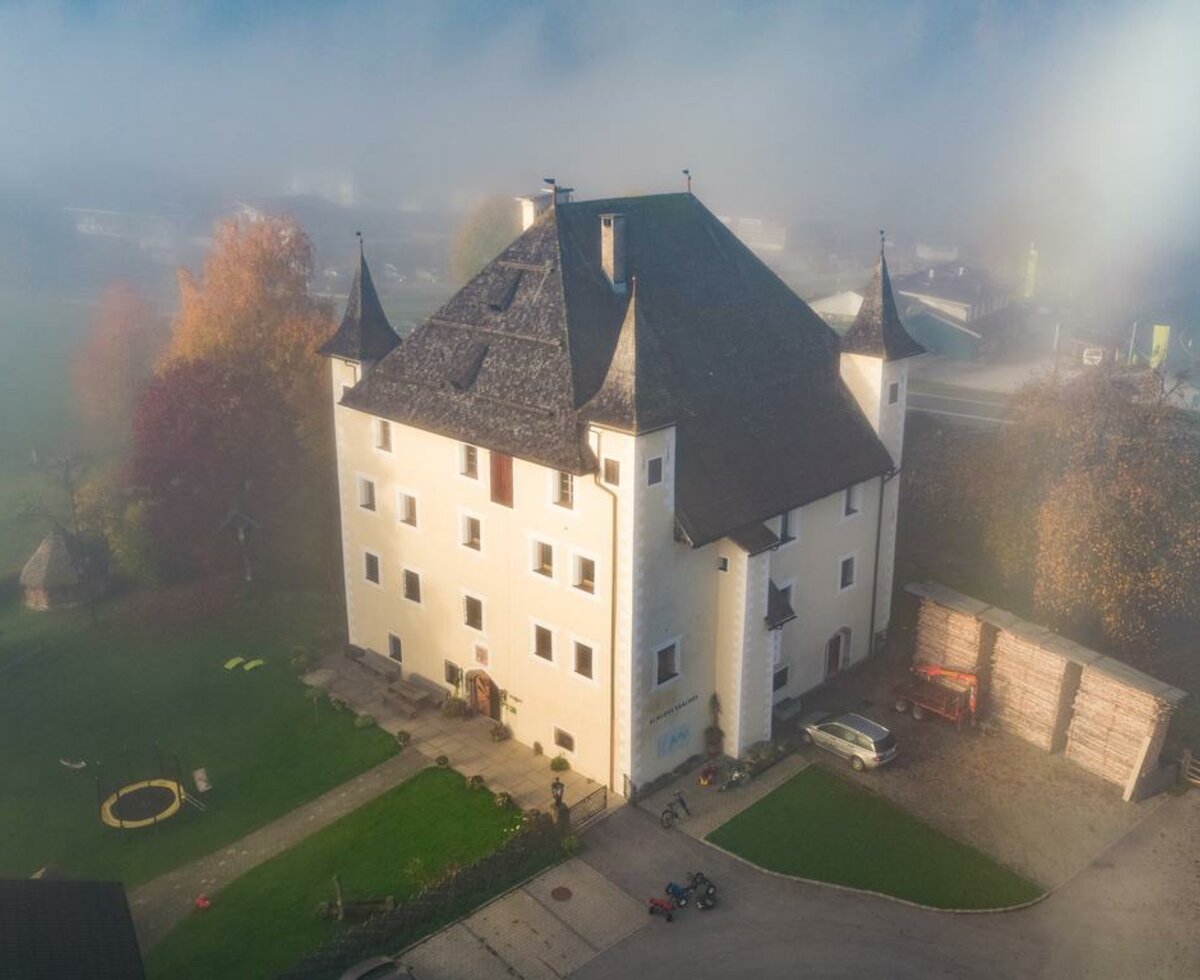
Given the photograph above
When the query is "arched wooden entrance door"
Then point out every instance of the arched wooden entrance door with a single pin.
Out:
(485, 696)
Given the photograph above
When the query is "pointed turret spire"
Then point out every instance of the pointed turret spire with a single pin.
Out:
(365, 333)
(634, 396)
(877, 330)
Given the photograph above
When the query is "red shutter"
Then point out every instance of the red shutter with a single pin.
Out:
(502, 479)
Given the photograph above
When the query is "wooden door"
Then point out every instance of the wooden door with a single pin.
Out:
(833, 654)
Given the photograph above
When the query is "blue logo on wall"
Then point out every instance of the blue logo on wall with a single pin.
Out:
(668, 742)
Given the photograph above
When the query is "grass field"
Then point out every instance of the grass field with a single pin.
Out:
(818, 825)
(150, 673)
(266, 920)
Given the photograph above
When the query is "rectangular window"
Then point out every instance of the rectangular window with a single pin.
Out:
(502, 479)
(612, 472)
(452, 672)
(585, 574)
(473, 612)
(543, 643)
(853, 501)
(780, 678)
(666, 664)
(383, 436)
(893, 392)
(786, 527)
(846, 575)
(371, 567)
(395, 647)
(583, 660)
(412, 585)
(408, 509)
(472, 533)
(654, 471)
(564, 740)
(366, 494)
(543, 559)
(469, 462)
(564, 490)
(722, 564)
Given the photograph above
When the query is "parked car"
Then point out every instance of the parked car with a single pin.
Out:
(378, 968)
(865, 743)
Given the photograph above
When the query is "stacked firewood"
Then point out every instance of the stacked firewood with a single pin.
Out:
(1025, 697)
(947, 638)
(1112, 721)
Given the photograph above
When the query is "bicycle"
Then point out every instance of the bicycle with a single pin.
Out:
(670, 814)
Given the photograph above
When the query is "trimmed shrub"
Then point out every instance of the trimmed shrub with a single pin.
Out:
(475, 782)
(559, 763)
(403, 738)
(364, 721)
(503, 800)
(442, 762)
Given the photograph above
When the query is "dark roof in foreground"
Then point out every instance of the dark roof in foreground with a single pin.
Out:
(53, 928)
(365, 333)
(538, 345)
(878, 330)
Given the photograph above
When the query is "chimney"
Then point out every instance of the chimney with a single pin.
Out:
(533, 206)
(612, 250)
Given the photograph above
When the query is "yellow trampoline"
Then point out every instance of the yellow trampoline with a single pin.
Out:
(142, 804)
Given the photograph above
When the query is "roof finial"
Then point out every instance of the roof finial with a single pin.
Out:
(882, 239)
(688, 175)
(358, 235)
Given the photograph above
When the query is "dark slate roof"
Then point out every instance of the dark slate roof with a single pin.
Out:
(538, 345)
(365, 333)
(754, 539)
(877, 330)
(53, 928)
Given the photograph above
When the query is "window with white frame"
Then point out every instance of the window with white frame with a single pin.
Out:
(469, 462)
(585, 574)
(583, 660)
(543, 643)
(852, 503)
(473, 612)
(371, 567)
(472, 533)
(543, 558)
(564, 490)
(366, 493)
(893, 392)
(564, 740)
(654, 471)
(846, 572)
(408, 509)
(412, 585)
(395, 647)
(383, 435)
(666, 663)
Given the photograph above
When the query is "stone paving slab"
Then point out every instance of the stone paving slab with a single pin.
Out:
(534, 941)
(597, 909)
(456, 954)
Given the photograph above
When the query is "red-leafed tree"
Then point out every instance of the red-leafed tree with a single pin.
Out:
(112, 363)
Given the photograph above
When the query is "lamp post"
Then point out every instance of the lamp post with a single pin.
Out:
(562, 814)
(556, 790)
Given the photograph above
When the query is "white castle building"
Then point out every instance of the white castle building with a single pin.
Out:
(624, 469)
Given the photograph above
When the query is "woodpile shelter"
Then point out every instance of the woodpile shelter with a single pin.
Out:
(949, 632)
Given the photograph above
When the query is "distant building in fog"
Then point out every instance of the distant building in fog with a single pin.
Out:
(956, 310)
(758, 233)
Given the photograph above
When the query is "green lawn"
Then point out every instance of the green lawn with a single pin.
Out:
(266, 921)
(150, 673)
(821, 826)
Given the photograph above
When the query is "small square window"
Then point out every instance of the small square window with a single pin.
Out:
(383, 436)
(371, 567)
(395, 647)
(473, 612)
(893, 392)
(452, 672)
(408, 509)
(655, 471)
(564, 740)
(846, 576)
(543, 559)
(612, 472)
(585, 574)
(779, 679)
(564, 490)
(853, 501)
(543, 643)
(472, 533)
(470, 462)
(583, 660)
(366, 494)
(412, 585)
(666, 664)
(722, 563)
(786, 527)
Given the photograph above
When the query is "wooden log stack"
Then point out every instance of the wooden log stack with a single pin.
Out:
(949, 633)
(1025, 695)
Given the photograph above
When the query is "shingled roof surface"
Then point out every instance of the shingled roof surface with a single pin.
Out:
(365, 333)
(878, 330)
(538, 345)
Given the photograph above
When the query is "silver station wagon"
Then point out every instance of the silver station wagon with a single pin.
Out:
(866, 744)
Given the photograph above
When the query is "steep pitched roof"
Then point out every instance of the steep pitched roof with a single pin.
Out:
(365, 333)
(877, 329)
(52, 566)
(714, 343)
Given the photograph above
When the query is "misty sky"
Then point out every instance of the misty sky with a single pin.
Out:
(931, 116)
